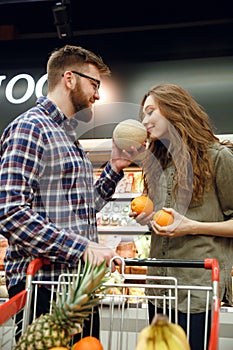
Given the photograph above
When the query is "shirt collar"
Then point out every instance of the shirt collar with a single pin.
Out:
(69, 125)
(51, 109)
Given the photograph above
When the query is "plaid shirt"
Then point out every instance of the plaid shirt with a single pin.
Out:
(48, 198)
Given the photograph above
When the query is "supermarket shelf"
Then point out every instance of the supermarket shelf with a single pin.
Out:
(123, 229)
(129, 195)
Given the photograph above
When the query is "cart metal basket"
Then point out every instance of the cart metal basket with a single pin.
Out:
(123, 306)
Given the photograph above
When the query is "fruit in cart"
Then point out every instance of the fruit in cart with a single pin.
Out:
(142, 204)
(74, 305)
(58, 348)
(129, 132)
(88, 343)
(162, 335)
(163, 218)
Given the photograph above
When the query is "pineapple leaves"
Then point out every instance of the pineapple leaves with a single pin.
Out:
(76, 297)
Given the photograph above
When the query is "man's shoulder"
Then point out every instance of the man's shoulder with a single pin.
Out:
(34, 117)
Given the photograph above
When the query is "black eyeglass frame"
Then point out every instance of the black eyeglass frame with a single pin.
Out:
(88, 77)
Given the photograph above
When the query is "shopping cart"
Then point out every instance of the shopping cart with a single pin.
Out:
(123, 316)
(13, 311)
(123, 306)
(8, 315)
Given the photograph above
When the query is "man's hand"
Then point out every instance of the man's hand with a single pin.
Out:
(121, 159)
(97, 253)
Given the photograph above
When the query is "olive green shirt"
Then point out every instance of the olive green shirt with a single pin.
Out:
(216, 206)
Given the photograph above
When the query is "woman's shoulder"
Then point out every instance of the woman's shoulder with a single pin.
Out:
(222, 155)
(222, 148)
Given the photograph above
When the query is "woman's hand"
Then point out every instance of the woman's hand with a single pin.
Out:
(142, 218)
(181, 225)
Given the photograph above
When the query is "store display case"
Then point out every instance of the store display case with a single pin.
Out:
(115, 227)
(115, 215)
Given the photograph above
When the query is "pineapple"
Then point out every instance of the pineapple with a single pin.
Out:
(73, 306)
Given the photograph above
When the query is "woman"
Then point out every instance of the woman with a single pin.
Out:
(188, 171)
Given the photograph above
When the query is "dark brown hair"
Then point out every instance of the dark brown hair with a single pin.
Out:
(66, 57)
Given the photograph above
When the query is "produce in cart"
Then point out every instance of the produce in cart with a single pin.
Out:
(88, 343)
(73, 306)
(58, 348)
(162, 335)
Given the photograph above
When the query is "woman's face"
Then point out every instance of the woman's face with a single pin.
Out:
(155, 123)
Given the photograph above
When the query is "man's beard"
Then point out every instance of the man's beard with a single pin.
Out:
(83, 111)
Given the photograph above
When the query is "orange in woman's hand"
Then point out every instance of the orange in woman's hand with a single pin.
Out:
(163, 218)
(88, 343)
(142, 204)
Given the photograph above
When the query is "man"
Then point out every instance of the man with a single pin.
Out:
(48, 201)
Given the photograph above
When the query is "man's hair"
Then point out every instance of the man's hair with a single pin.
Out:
(66, 57)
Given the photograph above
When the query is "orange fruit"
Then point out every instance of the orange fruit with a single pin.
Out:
(58, 348)
(88, 343)
(163, 218)
(142, 204)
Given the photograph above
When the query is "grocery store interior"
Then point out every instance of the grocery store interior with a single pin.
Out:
(186, 43)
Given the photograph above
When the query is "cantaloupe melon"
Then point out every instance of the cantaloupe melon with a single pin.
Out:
(129, 132)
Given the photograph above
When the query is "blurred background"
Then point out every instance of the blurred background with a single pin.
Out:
(147, 43)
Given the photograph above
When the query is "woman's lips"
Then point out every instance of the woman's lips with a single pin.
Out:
(150, 128)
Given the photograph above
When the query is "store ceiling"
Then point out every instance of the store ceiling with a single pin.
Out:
(35, 18)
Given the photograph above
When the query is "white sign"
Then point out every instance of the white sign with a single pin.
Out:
(32, 87)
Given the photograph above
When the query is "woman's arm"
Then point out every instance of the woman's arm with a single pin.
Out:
(184, 226)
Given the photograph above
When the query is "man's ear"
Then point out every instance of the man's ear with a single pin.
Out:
(69, 79)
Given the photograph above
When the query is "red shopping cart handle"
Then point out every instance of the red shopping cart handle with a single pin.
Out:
(208, 263)
(35, 265)
(214, 265)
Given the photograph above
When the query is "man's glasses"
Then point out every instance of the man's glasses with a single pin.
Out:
(97, 81)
